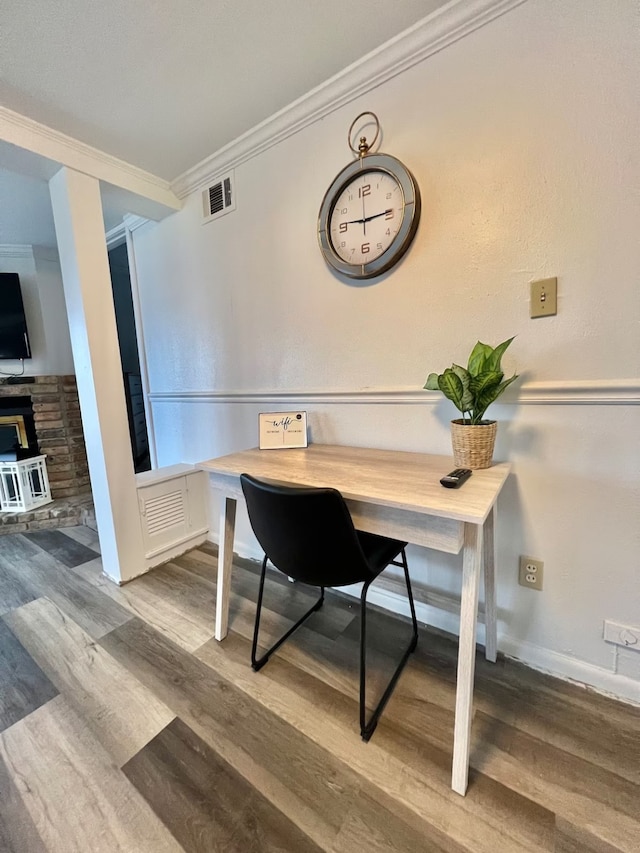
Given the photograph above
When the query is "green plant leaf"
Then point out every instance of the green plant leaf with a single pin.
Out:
(504, 385)
(432, 383)
(483, 388)
(489, 394)
(467, 397)
(493, 361)
(477, 360)
(485, 381)
(451, 387)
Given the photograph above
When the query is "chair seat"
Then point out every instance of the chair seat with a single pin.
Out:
(379, 550)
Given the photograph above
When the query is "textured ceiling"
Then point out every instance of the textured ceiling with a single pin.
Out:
(163, 84)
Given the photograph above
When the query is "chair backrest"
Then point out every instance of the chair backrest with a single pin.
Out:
(307, 533)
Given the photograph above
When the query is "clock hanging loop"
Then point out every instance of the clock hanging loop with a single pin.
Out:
(363, 148)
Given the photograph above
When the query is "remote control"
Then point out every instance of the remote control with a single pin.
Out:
(456, 478)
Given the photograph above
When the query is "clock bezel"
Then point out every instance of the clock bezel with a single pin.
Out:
(406, 232)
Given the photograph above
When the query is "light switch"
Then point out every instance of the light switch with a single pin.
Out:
(544, 297)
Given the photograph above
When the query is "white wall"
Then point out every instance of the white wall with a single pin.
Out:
(523, 137)
(43, 297)
(57, 351)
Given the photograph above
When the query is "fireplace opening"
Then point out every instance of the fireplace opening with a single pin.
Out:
(18, 437)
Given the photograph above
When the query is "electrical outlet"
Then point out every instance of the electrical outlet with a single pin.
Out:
(622, 635)
(530, 574)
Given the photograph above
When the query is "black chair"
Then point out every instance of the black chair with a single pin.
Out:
(308, 534)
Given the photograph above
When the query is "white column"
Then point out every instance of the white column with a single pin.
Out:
(77, 211)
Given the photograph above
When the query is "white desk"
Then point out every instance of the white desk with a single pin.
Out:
(396, 494)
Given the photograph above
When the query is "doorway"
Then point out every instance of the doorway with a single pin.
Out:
(129, 356)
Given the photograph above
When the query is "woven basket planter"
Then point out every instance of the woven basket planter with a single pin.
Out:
(473, 443)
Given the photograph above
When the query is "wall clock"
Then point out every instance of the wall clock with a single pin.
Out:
(369, 214)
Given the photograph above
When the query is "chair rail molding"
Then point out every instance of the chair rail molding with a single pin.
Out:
(592, 392)
(443, 27)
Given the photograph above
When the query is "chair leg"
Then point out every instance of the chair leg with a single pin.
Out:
(367, 728)
(258, 663)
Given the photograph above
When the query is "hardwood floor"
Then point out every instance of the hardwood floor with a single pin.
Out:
(124, 726)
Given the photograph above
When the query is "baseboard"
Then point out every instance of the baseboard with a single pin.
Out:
(163, 555)
(571, 669)
(537, 657)
(442, 614)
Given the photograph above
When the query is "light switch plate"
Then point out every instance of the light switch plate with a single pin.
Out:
(544, 297)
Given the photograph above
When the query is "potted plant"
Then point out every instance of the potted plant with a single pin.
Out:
(472, 390)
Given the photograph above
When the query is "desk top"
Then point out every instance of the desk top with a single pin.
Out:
(393, 478)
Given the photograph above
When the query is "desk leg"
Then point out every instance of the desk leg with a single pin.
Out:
(490, 608)
(471, 567)
(225, 561)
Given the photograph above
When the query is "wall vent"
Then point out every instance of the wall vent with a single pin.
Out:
(218, 198)
(164, 511)
(173, 510)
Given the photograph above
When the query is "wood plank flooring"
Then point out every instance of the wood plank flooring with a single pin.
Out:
(23, 685)
(124, 726)
(122, 714)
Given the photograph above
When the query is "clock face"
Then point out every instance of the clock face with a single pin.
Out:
(369, 216)
(366, 217)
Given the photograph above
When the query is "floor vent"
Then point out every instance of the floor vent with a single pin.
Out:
(218, 198)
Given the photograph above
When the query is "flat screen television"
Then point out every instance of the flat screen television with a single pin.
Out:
(14, 338)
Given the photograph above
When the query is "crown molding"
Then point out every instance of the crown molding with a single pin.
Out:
(64, 150)
(132, 222)
(17, 251)
(593, 392)
(116, 236)
(443, 27)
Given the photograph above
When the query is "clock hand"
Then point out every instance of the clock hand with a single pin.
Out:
(376, 215)
(367, 218)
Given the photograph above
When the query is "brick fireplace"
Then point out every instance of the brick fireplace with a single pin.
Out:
(59, 435)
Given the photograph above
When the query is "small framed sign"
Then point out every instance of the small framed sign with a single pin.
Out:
(282, 429)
